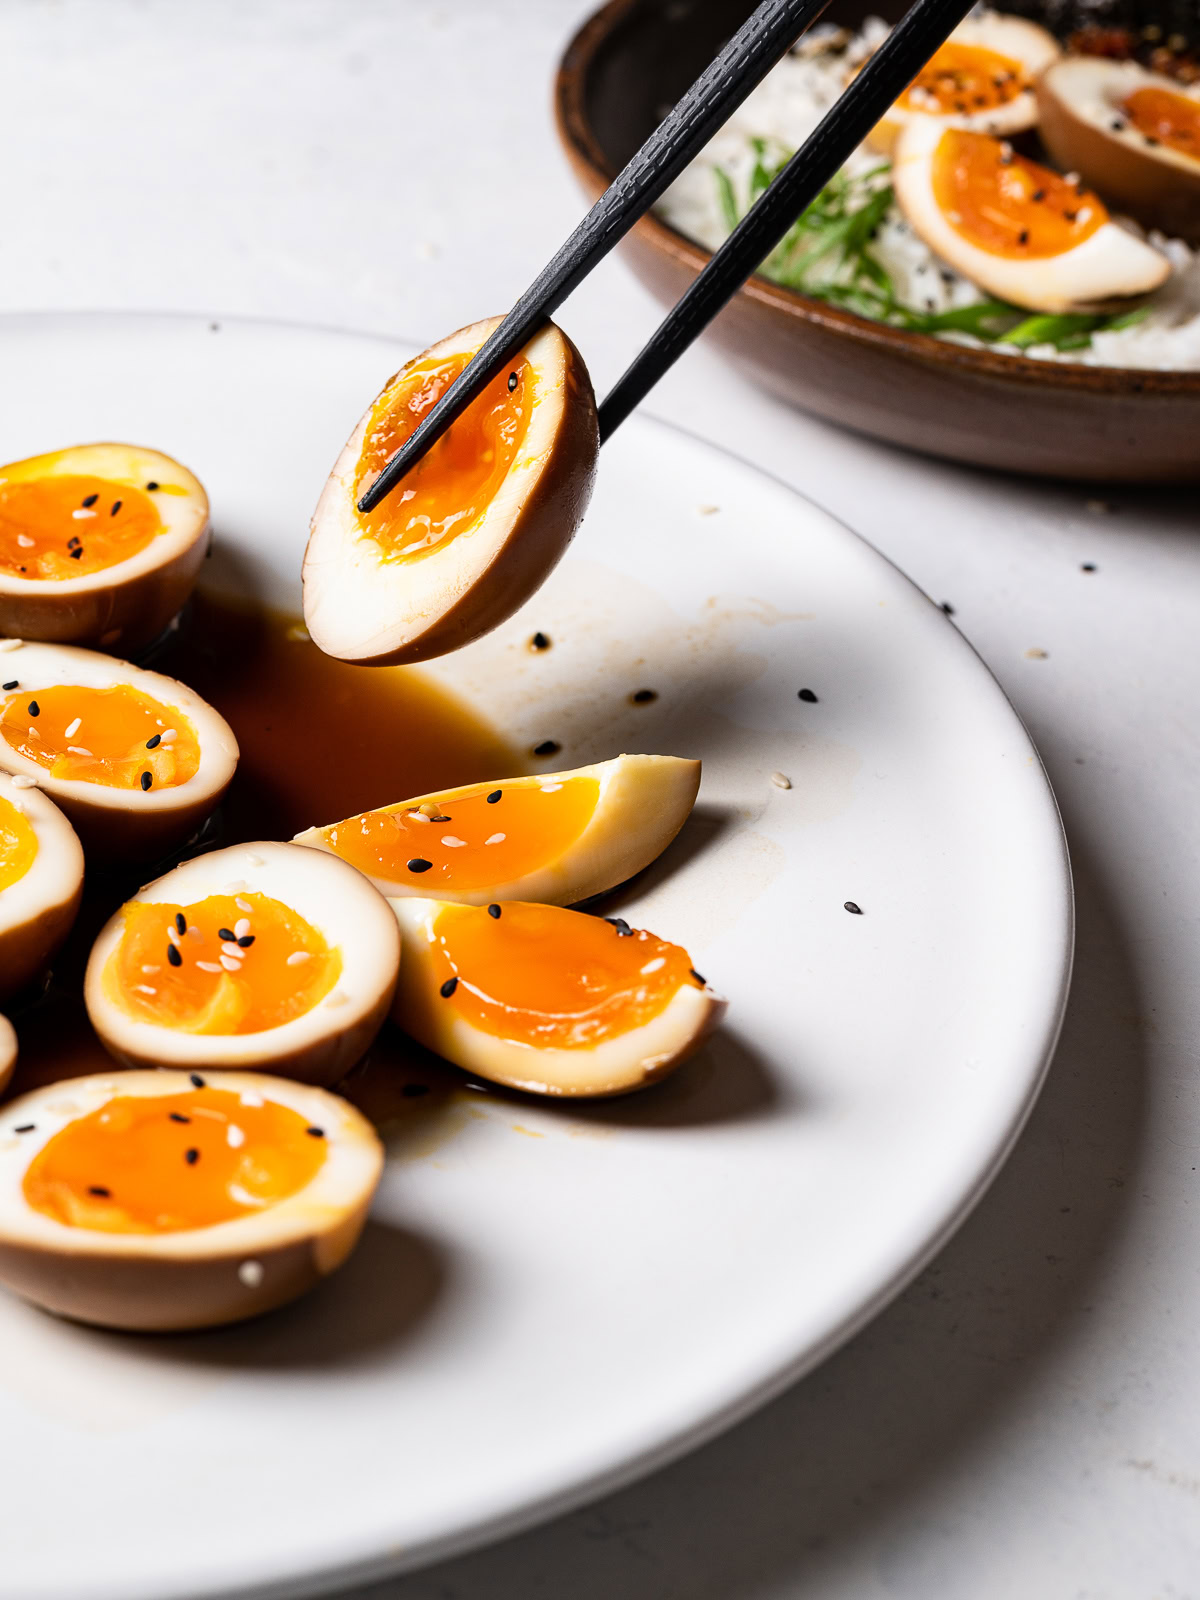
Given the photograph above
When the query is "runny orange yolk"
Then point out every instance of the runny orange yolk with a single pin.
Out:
(551, 978)
(163, 1163)
(490, 835)
(449, 490)
(65, 525)
(1169, 118)
(965, 79)
(1006, 205)
(228, 964)
(114, 736)
(18, 845)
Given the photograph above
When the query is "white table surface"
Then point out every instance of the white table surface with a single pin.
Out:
(1025, 1420)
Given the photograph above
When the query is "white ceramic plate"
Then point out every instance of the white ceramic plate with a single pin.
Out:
(553, 1301)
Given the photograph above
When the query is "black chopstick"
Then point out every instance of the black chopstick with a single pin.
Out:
(747, 58)
(847, 122)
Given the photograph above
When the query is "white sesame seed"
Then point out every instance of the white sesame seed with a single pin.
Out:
(209, 966)
(194, 933)
(10, 644)
(452, 843)
(297, 956)
(233, 888)
(234, 1136)
(72, 728)
(241, 927)
(707, 511)
(143, 988)
(169, 736)
(298, 633)
(78, 750)
(255, 860)
(251, 1097)
(151, 970)
(781, 780)
(173, 933)
(1098, 508)
(80, 515)
(496, 838)
(25, 542)
(653, 966)
(230, 964)
(337, 998)
(22, 782)
(551, 788)
(243, 905)
(111, 636)
(251, 1273)
(413, 816)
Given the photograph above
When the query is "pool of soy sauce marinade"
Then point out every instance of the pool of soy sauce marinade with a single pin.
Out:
(319, 740)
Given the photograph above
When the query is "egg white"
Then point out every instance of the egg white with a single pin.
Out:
(617, 1065)
(36, 912)
(196, 1277)
(642, 803)
(129, 603)
(131, 824)
(361, 607)
(1109, 266)
(324, 1042)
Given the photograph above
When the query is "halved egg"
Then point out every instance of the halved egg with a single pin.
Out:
(982, 78)
(558, 838)
(100, 544)
(548, 1000)
(162, 1201)
(1133, 134)
(1018, 230)
(477, 525)
(41, 880)
(263, 955)
(135, 759)
(8, 1052)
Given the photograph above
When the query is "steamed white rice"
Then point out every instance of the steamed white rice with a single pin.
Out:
(784, 110)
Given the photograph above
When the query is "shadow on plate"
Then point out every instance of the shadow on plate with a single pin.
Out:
(835, 1486)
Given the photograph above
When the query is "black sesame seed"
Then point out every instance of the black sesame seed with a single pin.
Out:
(855, 910)
(624, 931)
(116, 506)
(1023, 236)
(247, 940)
(173, 956)
(35, 710)
(91, 499)
(180, 923)
(1088, 566)
(153, 743)
(151, 487)
(146, 780)
(178, 1116)
(548, 747)
(512, 382)
(410, 1091)
(71, 543)
(227, 934)
(947, 608)
(25, 1127)
(643, 697)
(196, 1081)
(539, 642)
(13, 683)
(419, 864)
(808, 697)
(1149, 140)
(315, 1133)
(77, 552)
(1038, 194)
(493, 911)
(448, 988)
(494, 796)
(698, 977)
(1071, 216)
(1117, 127)
(191, 1156)
(100, 1191)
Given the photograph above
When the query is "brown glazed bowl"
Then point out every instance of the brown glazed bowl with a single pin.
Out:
(628, 64)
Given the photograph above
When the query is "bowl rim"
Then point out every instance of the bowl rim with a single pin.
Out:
(591, 166)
